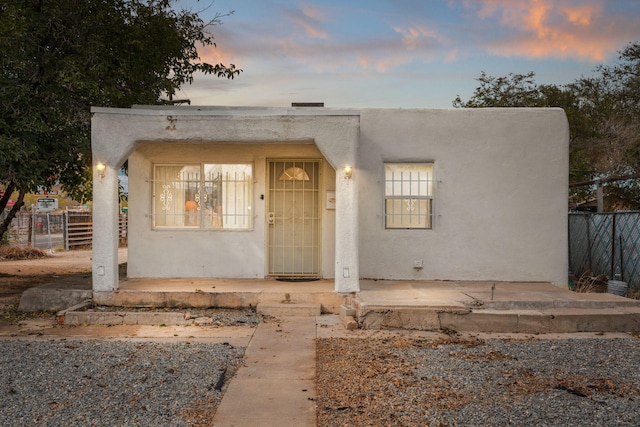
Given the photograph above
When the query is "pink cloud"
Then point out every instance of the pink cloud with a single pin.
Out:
(400, 57)
(216, 55)
(415, 35)
(582, 16)
(560, 46)
(419, 42)
(549, 28)
(309, 19)
(312, 12)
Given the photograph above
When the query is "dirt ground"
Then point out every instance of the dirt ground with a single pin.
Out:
(68, 266)
(73, 266)
(466, 380)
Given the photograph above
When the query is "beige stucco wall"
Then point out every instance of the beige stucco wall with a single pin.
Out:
(215, 253)
(116, 134)
(500, 194)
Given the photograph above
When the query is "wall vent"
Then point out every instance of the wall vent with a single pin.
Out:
(307, 104)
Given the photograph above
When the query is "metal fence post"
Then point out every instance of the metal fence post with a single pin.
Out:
(65, 228)
(589, 241)
(613, 246)
(33, 226)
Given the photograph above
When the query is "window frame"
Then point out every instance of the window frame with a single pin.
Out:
(413, 200)
(201, 186)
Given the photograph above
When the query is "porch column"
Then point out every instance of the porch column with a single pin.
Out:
(347, 268)
(105, 228)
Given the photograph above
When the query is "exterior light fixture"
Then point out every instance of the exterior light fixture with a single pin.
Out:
(100, 167)
(348, 170)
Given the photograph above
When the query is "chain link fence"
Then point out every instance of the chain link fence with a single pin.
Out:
(607, 244)
(38, 230)
(70, 229)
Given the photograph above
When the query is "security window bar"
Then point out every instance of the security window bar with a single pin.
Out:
(204, 196)
(408, 196)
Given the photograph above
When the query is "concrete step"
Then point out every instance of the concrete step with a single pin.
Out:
(329, 301)
(553, 320)
(83, 314)
(279, 309)
(587, 301)
(51, 299)
(549, 320)
(77, 318)
(348, 313)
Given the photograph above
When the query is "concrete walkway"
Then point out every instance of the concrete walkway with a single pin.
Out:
(276, 387)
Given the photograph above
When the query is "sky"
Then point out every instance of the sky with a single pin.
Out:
(401, 53)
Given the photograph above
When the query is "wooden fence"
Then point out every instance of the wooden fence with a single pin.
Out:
(80, 229)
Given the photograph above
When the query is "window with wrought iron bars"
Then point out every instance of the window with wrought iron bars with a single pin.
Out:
(408, 196)
(203, 196)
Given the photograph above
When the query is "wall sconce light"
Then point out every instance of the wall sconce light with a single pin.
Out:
(348, 170)
(100, 167)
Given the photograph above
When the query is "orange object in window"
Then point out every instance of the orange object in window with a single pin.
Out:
(191, 213)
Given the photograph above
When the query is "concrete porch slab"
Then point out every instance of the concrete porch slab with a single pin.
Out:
(491, 307)
(386, 304)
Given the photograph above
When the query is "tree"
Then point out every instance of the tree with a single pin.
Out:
(624, 79)
(512, 90)
(603, 113)
(60, 57)
(610, 103)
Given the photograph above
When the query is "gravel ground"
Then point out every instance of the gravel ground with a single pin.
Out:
(117, 383)
(92, 383)
(470, 382)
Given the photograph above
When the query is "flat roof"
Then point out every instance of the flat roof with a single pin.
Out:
(209, 110)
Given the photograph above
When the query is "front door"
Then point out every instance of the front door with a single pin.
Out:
(293, 218)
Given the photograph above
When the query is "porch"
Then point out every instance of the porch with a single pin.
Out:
(221, 293)
(465, 306)
(472, 306)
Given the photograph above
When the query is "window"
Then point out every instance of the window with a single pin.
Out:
(408, 195)
(203, 196)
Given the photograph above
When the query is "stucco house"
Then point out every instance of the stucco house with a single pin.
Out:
(407, 194)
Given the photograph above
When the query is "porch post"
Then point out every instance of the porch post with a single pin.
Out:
(105, 228)
(347, 268)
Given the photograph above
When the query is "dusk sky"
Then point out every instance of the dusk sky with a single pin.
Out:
(401, 53)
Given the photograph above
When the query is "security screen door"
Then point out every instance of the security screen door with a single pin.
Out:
(293, 219)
